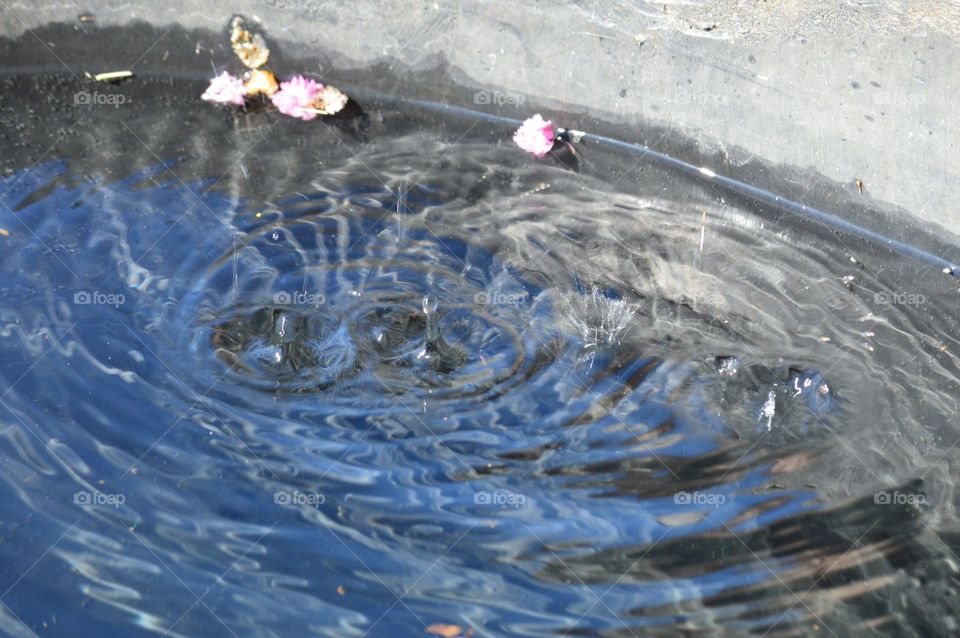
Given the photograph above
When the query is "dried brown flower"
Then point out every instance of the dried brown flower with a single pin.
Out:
(251, 48)
(261, 81)
(331, 100)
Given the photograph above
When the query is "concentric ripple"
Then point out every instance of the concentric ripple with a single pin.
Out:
(309, 369)
(350, 307)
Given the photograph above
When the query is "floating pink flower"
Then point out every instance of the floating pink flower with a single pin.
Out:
(297, 97)
(535, 136)
(225, 89)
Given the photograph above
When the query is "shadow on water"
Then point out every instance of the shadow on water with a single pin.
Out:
(357, 377)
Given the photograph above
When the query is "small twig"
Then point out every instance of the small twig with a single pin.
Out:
(113, 76)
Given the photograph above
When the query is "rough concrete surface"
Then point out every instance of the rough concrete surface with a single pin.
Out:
(852, 90)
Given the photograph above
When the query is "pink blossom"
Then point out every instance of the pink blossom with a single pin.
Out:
(297, 96)
(225, 89)
(535, 136)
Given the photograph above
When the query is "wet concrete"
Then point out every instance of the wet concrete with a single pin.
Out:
(850, 90)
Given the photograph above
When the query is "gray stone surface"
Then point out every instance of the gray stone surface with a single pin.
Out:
(851, 90)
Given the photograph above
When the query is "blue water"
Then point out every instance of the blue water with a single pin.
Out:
(344, 381)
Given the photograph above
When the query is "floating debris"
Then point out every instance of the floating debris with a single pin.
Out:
(251, 48)
(297, 96)
(810, 387)
(113, 76)
(448, 631)
(535, 136)
(225, 89)
(331, 101)
(542, 186)
(797, 390)
(304, 98)
(261, 82)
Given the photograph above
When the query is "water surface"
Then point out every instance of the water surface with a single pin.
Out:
(356, 377)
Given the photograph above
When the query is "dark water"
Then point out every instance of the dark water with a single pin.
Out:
(264, 377)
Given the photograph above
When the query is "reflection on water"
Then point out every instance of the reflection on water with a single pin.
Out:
(361, 377)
